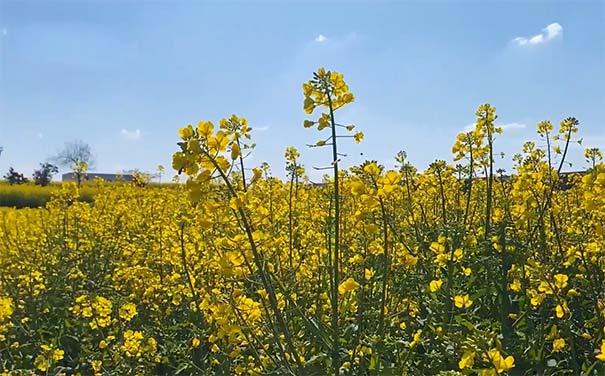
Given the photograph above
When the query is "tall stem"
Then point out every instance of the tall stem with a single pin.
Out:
(336, 258)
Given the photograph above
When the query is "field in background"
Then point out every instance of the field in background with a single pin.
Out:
(34, 196)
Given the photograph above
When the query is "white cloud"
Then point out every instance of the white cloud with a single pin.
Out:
(553, 30)
(321, 38)
(4, 31)
(514, 125)
(40, 135)
(131, 135)
(550, 32)
(519, 41)
(536, 39)
(264, 128)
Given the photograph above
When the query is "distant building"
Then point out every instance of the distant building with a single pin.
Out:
(70, 176)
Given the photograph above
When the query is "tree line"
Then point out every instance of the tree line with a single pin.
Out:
(75, 155)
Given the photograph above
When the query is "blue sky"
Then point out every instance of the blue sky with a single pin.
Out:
(124, 76)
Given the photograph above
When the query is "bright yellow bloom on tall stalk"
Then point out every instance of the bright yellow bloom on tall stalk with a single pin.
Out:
(328, 90)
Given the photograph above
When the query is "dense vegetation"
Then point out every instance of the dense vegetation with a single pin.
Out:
(35, 196)
(452, 270)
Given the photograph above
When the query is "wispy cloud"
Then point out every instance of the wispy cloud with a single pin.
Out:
(264, 128)
(4, 31)
(550, 32)
(514, 125)
(131, 135)
(321, 38)
(40, 135)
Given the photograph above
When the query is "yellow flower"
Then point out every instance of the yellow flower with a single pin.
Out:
(500, 363)
(309, 105)
(347, 286)
(536, 298)
(435, 285)
(601, 355)
(58, 355)
(462, 301)
(186, 133)
(515, 286)
(457, 254)
(214, 348)
(323, 122)
(128, 311)
(218, 143)
(235, 151)
(358, 188)
(558, 344)
(358, 137)
(96, 365)
(561, 280)
(195, 343)
(416, 338)
(561, 310)
(545, 287)
(41, 363)
(369, 273)
(467, 361)
(6, 308)
(87, 312)
(132, 343)
(256, 174)
(205, 129)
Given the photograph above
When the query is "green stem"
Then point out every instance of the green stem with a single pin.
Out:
(336, 263)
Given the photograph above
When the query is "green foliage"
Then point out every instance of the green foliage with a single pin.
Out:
(14, 177)
(44, 174)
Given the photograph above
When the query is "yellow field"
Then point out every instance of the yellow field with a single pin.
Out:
(449, 271)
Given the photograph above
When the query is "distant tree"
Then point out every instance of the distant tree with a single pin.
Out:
(160, 169)
(14, 177)
(77, 156)
(45, 173)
